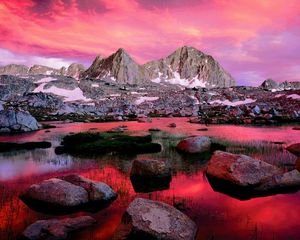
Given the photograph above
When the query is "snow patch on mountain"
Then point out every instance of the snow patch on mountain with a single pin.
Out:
(233, 104)
(194, 82)
(46, 80)
(140, 100)
(293, 96)
(69, 95)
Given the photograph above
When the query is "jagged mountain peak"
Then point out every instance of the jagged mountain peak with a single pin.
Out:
(119, 67)
(121, 54)
(189, 67)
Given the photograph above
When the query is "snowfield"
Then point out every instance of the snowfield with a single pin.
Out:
(46, 80)
(233, 104)
(140, 100)
(69, 95)
(293, 96)
(194, 82)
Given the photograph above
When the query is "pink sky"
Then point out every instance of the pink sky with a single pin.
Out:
(253, 40)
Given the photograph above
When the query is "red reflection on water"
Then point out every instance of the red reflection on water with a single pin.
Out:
(218, 216)
(230, 132)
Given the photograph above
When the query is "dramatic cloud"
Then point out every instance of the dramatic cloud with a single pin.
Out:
(253, 40)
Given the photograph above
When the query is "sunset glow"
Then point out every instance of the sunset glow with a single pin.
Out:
(253, 40)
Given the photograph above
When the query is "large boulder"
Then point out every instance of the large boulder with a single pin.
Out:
(243, 177)
(150, 175)
(147, 219)
(150, 168)
(17, 121)
(55, 229)
(68, 194)
(196, 144)
(294, 149)
(241, 170)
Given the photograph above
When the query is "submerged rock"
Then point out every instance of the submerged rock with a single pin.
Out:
(172, 125)
(55, 229)
(294, 149)
(68, 194)
(154, 130)
(196, 144)
(243, 177)
(150, 175)
(147, 219)
(17, 121)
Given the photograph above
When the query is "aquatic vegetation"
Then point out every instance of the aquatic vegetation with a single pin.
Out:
(89, 143)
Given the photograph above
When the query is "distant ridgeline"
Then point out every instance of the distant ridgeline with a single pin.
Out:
(186, 66)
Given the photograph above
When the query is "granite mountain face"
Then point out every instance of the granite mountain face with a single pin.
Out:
(14, 69)
(189, 67)
(119, 67)
(186, 67)
(74, 70)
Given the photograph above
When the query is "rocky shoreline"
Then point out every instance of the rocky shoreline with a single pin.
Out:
(112, 102)
(187, 83)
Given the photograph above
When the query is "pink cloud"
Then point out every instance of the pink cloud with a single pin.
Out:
(254, 40)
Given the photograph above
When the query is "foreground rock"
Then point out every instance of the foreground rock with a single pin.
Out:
(150, 175)
(196, 144)
(17, 121)
(244, 177)
(147, 219)
(56, 228)
(69, 193)
(294, 149)
(150, 168)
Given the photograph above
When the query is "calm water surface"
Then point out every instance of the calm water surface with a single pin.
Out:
(217, 215)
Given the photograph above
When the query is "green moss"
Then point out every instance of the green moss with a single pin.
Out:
(84, 137)
(9, 146)
(95, 143)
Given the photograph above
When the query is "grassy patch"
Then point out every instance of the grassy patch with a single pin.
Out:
(89, 143)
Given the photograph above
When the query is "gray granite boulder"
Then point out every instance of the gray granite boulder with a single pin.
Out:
(196, 144)
(150, 168)
(69, 193)
(17, 121)
(147, 219)
(243, 177)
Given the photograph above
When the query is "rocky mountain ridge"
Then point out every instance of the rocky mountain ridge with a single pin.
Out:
(187, 67)
(74, 70)
(61, 97)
